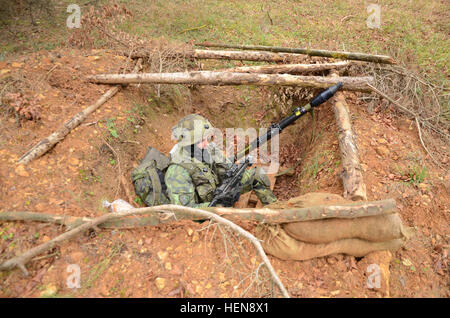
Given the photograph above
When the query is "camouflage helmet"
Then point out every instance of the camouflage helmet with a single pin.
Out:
(192, 129)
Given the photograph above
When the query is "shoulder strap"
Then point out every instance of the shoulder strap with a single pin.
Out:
(157, 189)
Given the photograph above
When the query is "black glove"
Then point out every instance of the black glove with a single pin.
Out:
(227, 199)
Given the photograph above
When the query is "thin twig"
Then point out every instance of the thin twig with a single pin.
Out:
(193, 29)
(423, 144)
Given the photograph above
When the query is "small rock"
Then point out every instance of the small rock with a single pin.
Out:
(74, 161)
(49, 291)
(16, 65)
(426, 198)
(335, 292)
(382, 141)
(406, 262)
(162, 255)
(190, 231)
(168, 266)
(391, 176)
(424, 187)
(160, 283)
(20, 170)
(331, 260)
(382, 151)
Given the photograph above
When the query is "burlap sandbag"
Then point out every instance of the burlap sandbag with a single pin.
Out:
(309, 239)
(278, 243)
(371, 228)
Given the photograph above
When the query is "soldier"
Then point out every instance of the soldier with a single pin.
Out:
(197, 167)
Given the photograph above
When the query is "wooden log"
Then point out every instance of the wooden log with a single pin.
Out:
(230, 78)
(47, 143)
(312, 52)
(260, 56)
(248, 56)
(266, 215)
(287, 68)
(354, 187)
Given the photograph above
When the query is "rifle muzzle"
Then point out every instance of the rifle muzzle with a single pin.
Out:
(325, 95)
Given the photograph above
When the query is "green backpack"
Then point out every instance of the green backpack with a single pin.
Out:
(148, 178)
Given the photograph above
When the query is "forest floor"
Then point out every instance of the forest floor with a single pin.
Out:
(189, 259)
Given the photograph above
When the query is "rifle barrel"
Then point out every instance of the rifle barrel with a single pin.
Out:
(276, 128)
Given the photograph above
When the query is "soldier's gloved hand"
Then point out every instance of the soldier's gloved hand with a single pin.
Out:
(228, 199)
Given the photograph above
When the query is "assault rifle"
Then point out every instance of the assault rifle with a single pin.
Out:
(229, 191)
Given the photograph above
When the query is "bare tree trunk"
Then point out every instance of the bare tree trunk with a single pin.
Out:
(265, 215)
(47, 143)
(287, 68)
(354, 187)
(312, 52)
(229, 78)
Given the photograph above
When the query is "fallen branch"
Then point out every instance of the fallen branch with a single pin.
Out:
(311, 52)
(247, 56)
(47, 143)
(354, 187)
(230, 78)
(21, 260)
(423, 144)
(287, 68)
(264, 215)
(228, 55)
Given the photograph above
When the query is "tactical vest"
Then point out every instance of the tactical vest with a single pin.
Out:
(203, 176)
(149, 182)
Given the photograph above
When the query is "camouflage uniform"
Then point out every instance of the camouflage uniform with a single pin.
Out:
(192, 182)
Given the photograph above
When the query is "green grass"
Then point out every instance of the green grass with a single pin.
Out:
(415, 32)
(417, 173)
